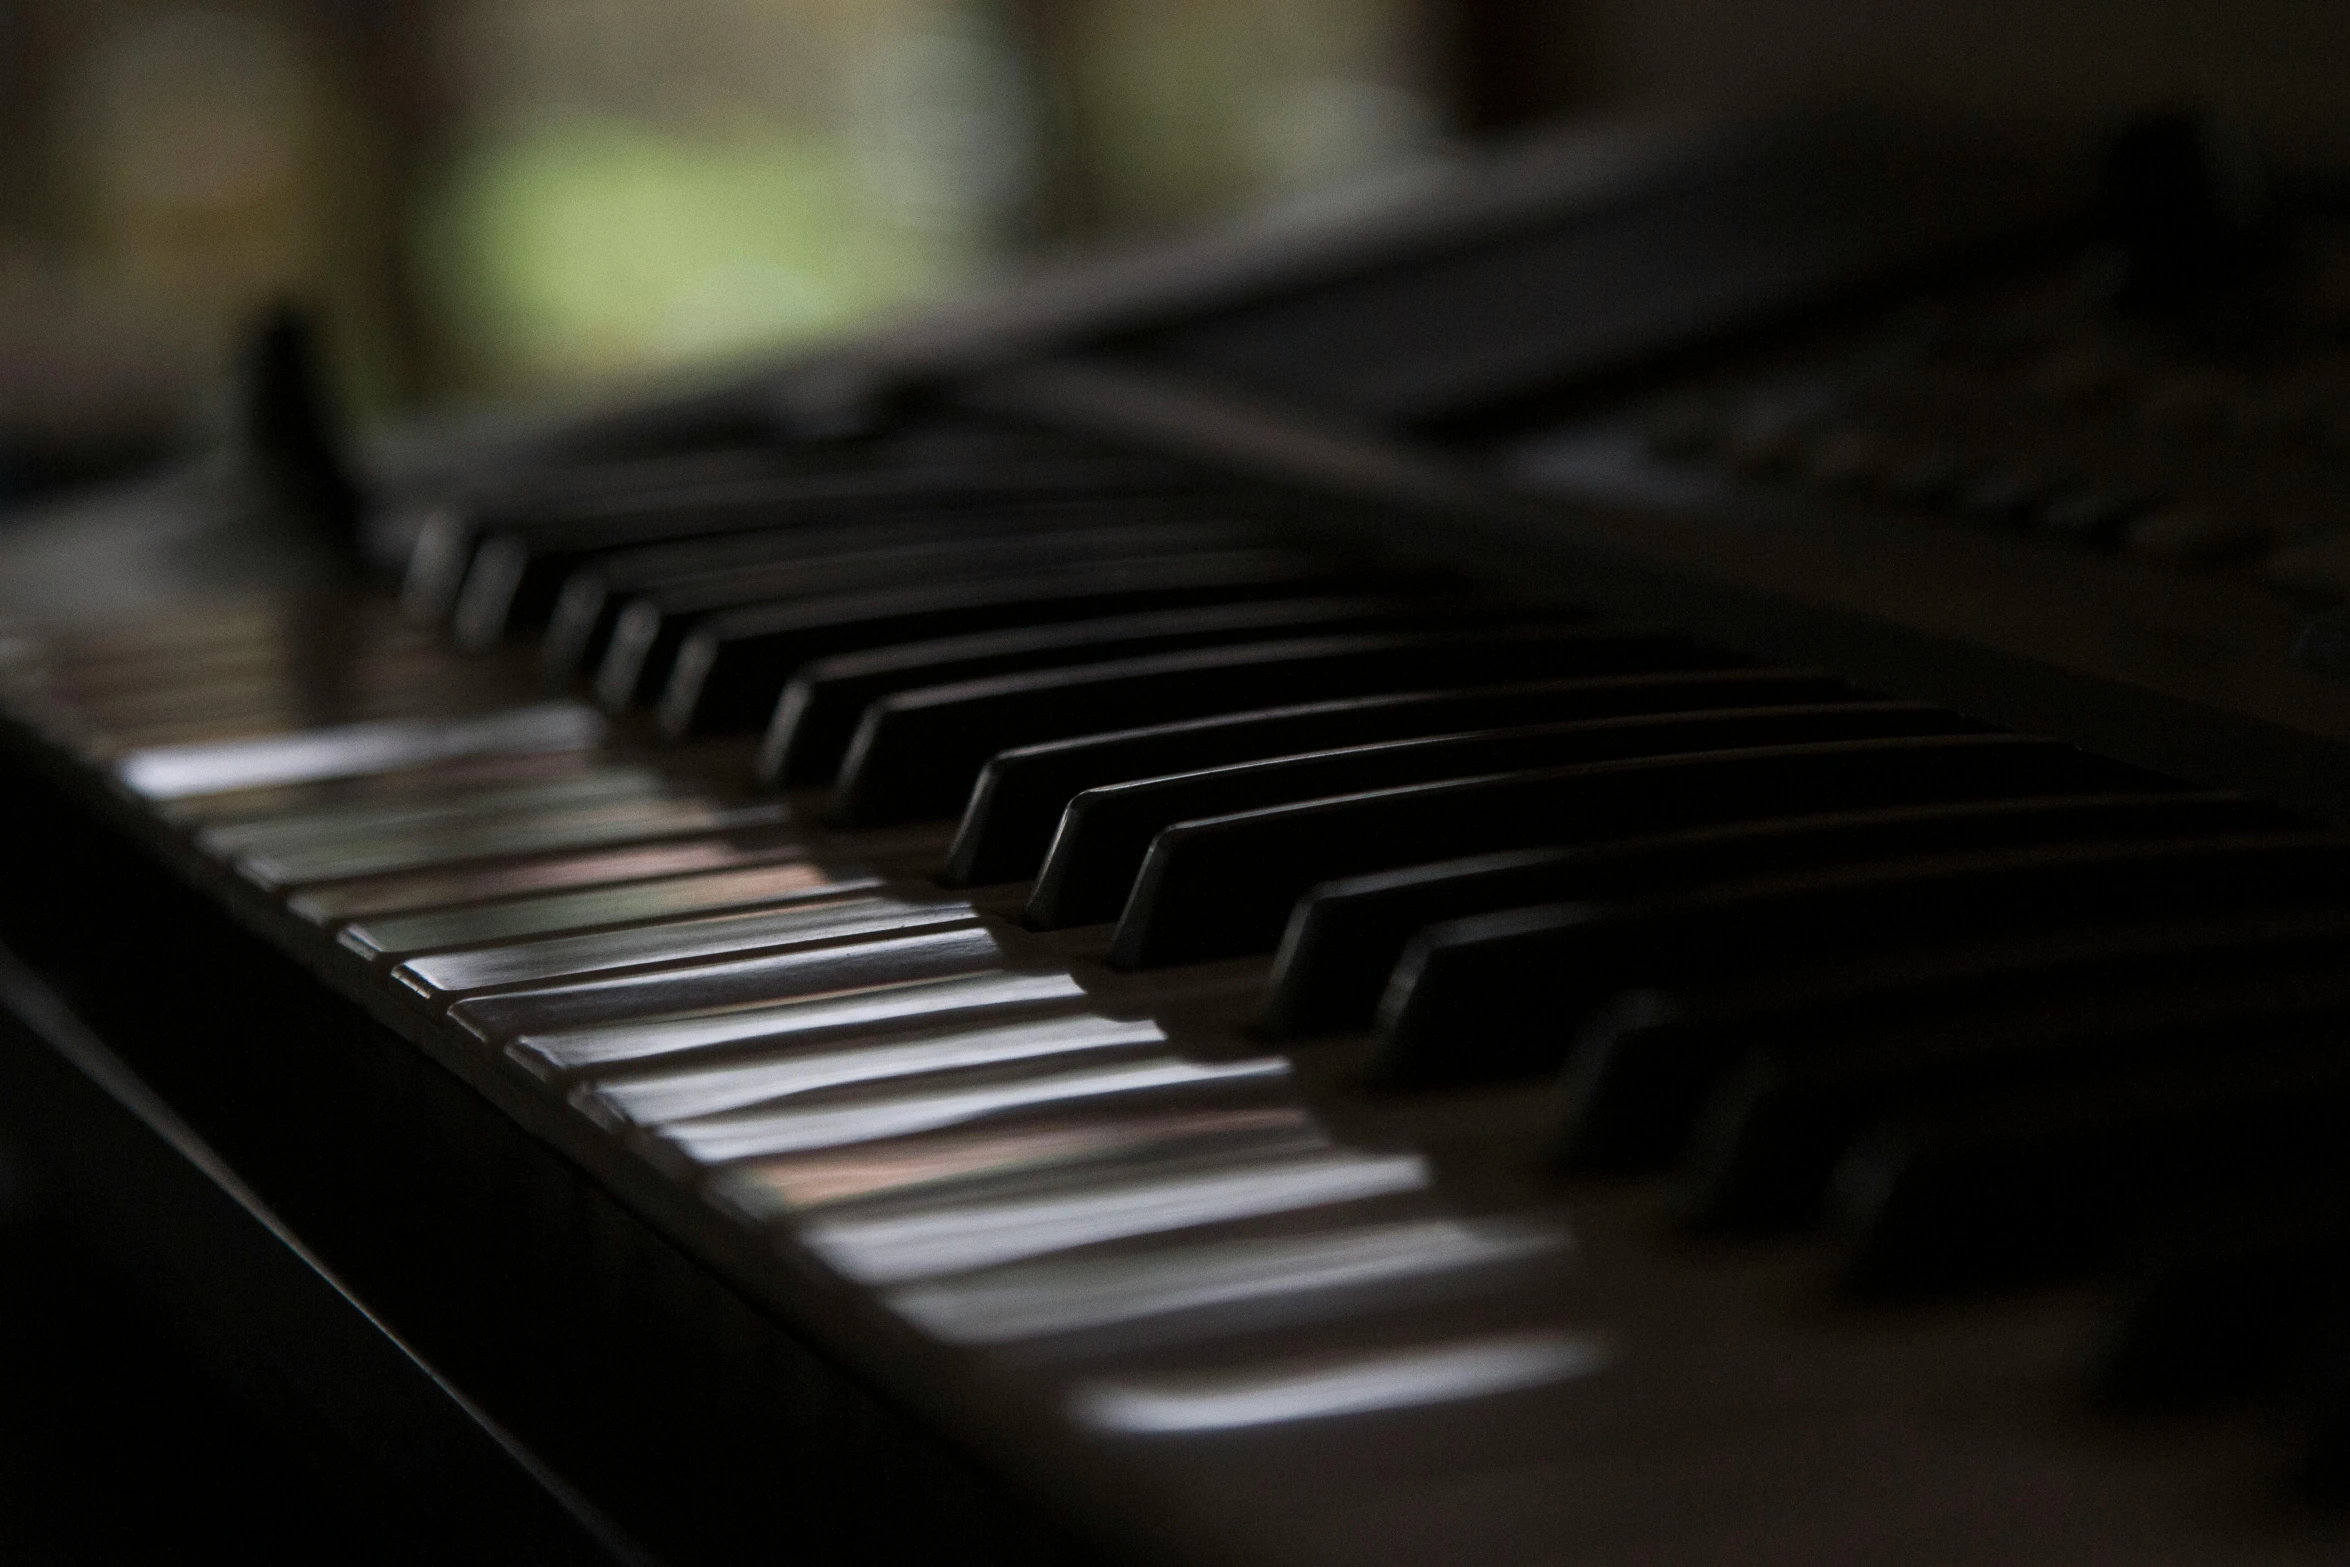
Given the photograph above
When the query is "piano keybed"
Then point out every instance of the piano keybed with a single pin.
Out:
(1387, 1068)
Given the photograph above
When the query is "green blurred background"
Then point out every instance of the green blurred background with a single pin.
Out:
(492, 199)
(486, 200)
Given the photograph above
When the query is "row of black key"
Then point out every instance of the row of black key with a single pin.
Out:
(1987, 999)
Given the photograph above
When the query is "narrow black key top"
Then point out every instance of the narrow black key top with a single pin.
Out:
(494, 566)
(1262, 861)
(1641, 1069)
(589, 607)
(1107, 831)
(515, 566)
(2044, 1181)
(2226, 1295)
(821, 708)
(1016, 806)
(651, 628)
(732, 668)
(917, 754)
(456, 525)
(1502, 993)
(1765, 1145)
(603, 476)
(1345, 936)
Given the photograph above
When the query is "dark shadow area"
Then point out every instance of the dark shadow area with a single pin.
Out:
(114, 1448)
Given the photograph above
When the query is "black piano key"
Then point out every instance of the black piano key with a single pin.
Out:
(651, 627)
(1765, 1145)
(2048, 1181)
(1261, 861)
(2222, 1298)
(600, 472)
(455, 524)
(1290, 848)
(515, 566)
(593, 596)
(597, 468)
(588, 606)
(1017, 803)
(820, 709)
(1503, 993)
(1345, 937)
(544, 525)
(917, 754)
(1641, 1068)
(1107, 831)
(731, 669)
(2319, 1398)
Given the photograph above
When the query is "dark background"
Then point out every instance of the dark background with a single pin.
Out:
(488, 200)
(498, 199)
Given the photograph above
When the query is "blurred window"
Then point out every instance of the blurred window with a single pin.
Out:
(491, 198)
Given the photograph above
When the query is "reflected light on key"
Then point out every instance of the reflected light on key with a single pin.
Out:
(651, 1101)
(790, 1131)
(1278, 1395)
(478, 884)
(675, 941)
(1037, 1299)
(610, 1044)
(957, 1238)
(772, 886)
(355, 750)
(581, 827)
(283, 828)
(773, 1187)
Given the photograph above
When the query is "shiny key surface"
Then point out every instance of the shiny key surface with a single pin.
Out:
(917, 754)
(820, 710)
(512, 569)
(1345, 937)
(470, 969)
(651, 625)
(732, 666)
(1334, 1316)
(1015, 807)
(440, 886)
(596, 594)
(630, 902)
(1105, 833)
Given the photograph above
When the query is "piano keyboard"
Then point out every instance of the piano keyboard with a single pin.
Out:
(1294, 1056)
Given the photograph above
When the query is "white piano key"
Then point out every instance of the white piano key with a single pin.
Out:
(1037, 1299)
(741, 1136)
(723, 984)
(957, 1238)
(793, 882)
(502, 836)
(354, 750)
(429, 894)
(677, 1096)
(552, 1052)
(773, 1188)
(675, 941)
(277, 830)
(1358, 1385)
